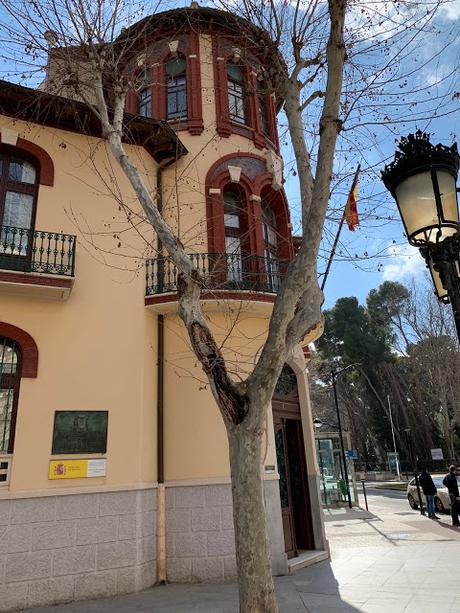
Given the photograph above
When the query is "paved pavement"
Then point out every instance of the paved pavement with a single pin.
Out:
(390, 560)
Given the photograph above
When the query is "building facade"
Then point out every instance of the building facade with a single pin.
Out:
(101, 397)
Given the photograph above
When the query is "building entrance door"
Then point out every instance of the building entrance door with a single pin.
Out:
(292, 468)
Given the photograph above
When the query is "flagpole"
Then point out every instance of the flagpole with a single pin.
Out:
(331, 257)
(336, 240)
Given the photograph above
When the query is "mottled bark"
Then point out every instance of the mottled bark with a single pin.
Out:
(255, 581)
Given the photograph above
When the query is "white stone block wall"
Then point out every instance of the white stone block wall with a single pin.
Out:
(57, 549)
(200, 542)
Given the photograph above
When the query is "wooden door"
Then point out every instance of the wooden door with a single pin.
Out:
(299, 486)
(292, 467)
(286, 495)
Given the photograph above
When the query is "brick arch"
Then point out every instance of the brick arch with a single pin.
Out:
(46, 165)
(217, 178)
(28, 347)
(254, 184)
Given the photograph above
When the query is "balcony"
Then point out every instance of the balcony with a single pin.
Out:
(42, 263)
(225, 276)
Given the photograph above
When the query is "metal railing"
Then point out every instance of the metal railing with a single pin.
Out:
(27, 250)
(5, 468)
(219, 271)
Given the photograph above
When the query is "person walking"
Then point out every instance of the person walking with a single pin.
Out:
(450, 481)
(429, 489)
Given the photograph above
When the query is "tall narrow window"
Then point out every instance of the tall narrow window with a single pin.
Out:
(234, 227)
(176, 82)
(18, 194)
(145, 96)
(10, 376)
(236, 94)
(271, 262)
(261, 93)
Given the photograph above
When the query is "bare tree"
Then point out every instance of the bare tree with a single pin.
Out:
(307, 46)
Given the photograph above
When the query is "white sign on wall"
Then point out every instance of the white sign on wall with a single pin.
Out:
(97, 468)
(436, 454)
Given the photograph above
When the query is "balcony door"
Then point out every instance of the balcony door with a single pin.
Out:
(271, 262)
(18, 196)
(235, 234)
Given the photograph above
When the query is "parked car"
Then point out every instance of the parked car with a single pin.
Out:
(441, 499)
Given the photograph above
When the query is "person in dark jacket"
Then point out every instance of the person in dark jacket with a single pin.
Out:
(450, 481)
(429, 489)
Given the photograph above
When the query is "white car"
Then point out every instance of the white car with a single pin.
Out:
(441, 498)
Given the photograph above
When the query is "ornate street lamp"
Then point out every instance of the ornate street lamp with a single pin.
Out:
(422, 179)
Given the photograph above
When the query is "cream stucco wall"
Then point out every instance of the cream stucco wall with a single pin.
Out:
(195, 438)
(97, 350)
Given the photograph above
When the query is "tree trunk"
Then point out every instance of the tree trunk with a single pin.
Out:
(255, 581)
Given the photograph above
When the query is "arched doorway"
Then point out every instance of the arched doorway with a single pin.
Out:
(292, 467)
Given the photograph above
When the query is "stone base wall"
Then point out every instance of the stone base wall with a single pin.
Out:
(61, 548)
(57, 549)
(200, 541)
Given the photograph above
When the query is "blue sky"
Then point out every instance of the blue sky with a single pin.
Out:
(377, 250)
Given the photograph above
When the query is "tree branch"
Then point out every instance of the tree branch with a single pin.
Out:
(309, 100)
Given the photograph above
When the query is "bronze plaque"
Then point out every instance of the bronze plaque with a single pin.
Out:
(80, 432)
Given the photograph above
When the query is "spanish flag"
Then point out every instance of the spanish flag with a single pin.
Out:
(351, 208)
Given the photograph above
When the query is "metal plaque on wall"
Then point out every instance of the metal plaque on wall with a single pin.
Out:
(80, 432)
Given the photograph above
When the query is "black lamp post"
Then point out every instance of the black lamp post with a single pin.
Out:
(422, 179)
(414, 462)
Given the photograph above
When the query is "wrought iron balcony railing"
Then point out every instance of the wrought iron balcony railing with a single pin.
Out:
(27, 250)
(220, 271)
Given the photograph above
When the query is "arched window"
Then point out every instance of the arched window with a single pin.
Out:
(176, 85)
(236, 94)
(10, 376)
(18, 197)
(271, 261)
(235, 230)
(145, 96)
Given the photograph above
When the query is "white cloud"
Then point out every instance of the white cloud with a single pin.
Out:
(437, 74)
(406, 262)
(450, 10)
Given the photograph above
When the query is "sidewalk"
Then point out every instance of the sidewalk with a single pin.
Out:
(382, 562)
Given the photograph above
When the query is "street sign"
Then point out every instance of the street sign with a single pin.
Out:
(436, 454)
(351, 454)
